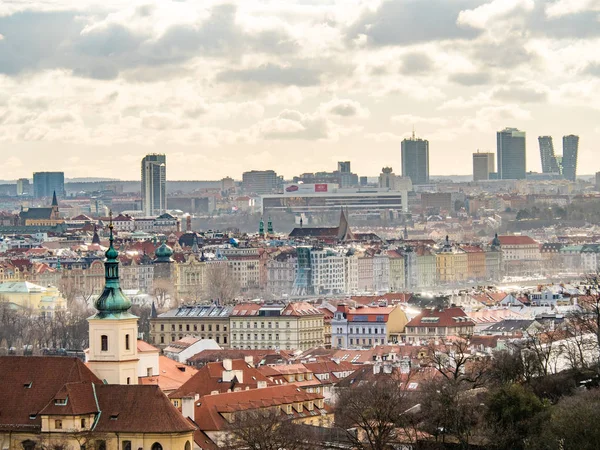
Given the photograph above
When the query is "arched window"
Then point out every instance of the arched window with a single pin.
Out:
(126, 342)
(156, 446)
(188, 446)
(28, 445)
(104, 343)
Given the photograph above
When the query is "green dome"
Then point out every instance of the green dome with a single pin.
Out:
(112, 301)
(111, 253)
(164, 251)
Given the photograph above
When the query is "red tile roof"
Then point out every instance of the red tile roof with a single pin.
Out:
(172, 375)
(210, 407)
(516, 240)
(209, 379)
(445, 318)
(138, 409)
(29, 383)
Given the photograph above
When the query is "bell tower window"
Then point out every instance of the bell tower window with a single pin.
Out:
(104, 343)
(126, 342)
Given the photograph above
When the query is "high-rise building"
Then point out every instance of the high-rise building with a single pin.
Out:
(261, 182)
(45, 184)
(23, 187)
(483, 165)
(569, 158)
(598, 181)
(511, 154)
(154, 184)
(415, 160)
(344, 167)
(549, 160)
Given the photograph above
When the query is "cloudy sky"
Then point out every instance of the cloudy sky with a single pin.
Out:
(89, 87)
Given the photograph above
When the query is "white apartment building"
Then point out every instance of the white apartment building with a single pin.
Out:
(381, 273)
(327, 271)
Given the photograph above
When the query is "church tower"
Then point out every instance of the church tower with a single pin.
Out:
(113, 329)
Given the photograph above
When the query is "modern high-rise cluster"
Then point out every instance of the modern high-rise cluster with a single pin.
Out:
(565, 165)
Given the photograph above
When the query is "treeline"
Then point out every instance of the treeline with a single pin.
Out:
(586, 210)
(28, 332)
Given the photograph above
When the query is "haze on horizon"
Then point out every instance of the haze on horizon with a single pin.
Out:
(90, 87)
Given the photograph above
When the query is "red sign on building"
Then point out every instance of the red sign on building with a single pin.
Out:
(321, 187)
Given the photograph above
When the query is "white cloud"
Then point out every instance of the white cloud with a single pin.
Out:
(485, 15)
(566, 7)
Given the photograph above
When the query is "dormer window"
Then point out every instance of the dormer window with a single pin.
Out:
(60, 401)
(28, 385)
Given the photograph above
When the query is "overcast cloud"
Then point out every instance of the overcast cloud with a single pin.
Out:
(223, 87)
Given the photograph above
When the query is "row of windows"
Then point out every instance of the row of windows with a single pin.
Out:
(217, 338)
(104, 342)
(195, 327)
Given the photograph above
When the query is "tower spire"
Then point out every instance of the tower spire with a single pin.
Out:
(54, 200)
(112, 302)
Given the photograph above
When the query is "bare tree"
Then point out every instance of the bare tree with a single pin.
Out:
(455, 361)
(221, 284)
(375, 411)
(540, 349)
(163, 292)
(265, 429)
(586, 321)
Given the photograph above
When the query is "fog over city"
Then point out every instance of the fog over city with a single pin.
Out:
(224, 87)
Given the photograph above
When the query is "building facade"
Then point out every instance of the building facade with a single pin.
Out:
(199, 321)
(415, 160)
(547, 155)
(276, 326)
(154, 184)
(569, 158)
(483, 165)
(260, 182)
(511, 152)
(47, 183)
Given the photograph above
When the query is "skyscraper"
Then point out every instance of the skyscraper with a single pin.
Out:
(569, 159)
(154, 184)
(549, 160)
(511, 154)
(483, 165)
(415, 160)
(45, 184)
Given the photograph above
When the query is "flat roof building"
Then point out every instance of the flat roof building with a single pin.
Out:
(511, 154)
(483, 165)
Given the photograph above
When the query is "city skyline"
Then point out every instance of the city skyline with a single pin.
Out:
(222, 89)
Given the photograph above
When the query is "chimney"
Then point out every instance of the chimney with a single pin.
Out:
(249, 360)
(188, 223)
(187, 407)
(227, 364)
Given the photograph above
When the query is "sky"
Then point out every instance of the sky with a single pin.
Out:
(90, 87)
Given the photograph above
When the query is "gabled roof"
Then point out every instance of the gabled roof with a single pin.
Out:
(516, 240)
(172, 375)
(209, 409)
(36, 214)
(138, 409)
(209, 379)
(445, 318)
(29, 383)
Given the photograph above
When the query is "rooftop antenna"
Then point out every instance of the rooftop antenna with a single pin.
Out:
(413, 134)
